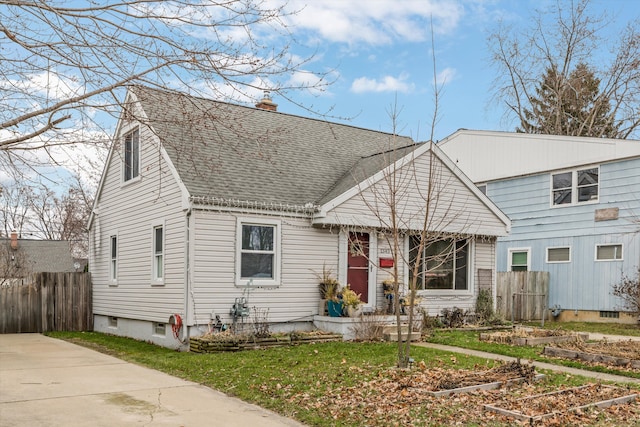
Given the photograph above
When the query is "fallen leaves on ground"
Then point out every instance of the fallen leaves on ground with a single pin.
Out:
(401, 397)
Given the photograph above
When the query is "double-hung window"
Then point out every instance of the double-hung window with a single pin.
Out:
(113, 266)
(258, 253)
(443, 264)
(158, 253)
(132, 155)
(573, 187)
(519, 259)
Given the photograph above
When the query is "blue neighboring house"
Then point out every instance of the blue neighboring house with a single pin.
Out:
(574, 203)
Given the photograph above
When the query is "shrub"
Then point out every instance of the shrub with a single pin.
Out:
(628, 289)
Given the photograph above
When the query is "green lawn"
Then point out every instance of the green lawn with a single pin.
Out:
(470, 339)
(330, 384)
(602, 328)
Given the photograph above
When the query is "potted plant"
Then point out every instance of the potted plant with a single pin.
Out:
(329, 288)
(351, 301)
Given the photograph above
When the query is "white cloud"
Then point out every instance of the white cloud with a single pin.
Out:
(385, 84)
(375, 22)
(446, 76)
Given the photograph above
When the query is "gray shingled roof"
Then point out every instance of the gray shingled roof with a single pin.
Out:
(53, 256)
(241, 153)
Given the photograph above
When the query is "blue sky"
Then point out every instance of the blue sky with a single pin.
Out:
(380, 52)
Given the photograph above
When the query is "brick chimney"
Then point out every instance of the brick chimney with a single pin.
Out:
(14, 240)
(266, 103)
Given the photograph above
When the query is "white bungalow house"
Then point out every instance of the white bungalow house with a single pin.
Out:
(574, 203)
(203, 202)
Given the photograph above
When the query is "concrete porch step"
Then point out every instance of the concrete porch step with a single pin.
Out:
(393, 328)
(393, 337)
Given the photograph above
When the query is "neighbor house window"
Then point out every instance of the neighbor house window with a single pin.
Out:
(608, 252)
(574, 187)
(483, 188)
(132, 155)
(158, 253)
(443, 264)
(258, 253)
(558, 255)
(113, 268)
(518, 259)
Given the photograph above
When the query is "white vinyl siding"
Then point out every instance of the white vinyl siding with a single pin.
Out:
(303, 250)
(609, 252)
(558, 255)
(133, 210)
(455, 208)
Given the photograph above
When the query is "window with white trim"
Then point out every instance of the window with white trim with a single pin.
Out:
(573, 187)
(609, 252)
(131, 155)
(443, 264)
(158, 253)
(113, 266)
(558, 255)
(519, 259)
(258, 250)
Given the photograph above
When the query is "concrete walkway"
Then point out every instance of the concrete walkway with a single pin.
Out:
(49, 382)
(541, 365)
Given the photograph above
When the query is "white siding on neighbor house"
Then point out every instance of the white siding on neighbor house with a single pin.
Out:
(305, 250)
(455, 208)
(130, 211)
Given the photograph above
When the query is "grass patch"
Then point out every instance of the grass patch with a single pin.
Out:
(470, 339)
(328, 384)
(601, 328)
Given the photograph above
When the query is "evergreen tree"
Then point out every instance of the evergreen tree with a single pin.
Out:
(569, 105)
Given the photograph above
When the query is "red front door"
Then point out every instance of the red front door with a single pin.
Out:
(358, 264)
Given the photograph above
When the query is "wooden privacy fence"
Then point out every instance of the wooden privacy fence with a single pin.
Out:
(46, 302)
(522, 295)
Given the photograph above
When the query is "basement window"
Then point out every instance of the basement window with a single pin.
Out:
(159, 329)
(610, 314)
(112, 322)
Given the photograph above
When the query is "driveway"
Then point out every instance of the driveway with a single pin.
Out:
(48, 382)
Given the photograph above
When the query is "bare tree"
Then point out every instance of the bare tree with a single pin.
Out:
(414, 201)
(65, 67)
(546, 62)
(45, 214)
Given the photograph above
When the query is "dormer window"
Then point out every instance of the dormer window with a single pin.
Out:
(131, 155)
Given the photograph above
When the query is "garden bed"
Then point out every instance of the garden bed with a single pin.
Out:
(621, 353)
(227, 342)
(438, 383)
(532, 336)
(538, 407)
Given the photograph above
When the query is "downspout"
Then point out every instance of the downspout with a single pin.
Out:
(187, 280)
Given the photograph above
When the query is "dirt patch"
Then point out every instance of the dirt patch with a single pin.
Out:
(532, 336)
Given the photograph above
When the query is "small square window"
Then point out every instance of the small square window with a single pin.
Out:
(160, 329)
(558, 255)
(112, 322)
(608, 252)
